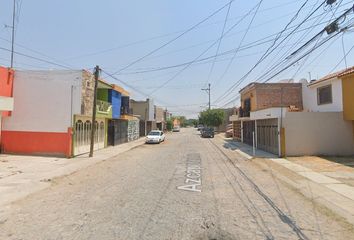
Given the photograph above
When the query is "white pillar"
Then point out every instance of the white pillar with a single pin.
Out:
(241, 131)
(255, 129)
(279, 142)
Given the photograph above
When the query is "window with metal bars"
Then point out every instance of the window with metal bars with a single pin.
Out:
(324, 95)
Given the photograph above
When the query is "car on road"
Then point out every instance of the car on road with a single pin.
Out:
(155, 136)
(207, 132)
(176, 129)
(199, 127)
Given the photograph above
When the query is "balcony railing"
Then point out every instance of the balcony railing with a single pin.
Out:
(104, 107)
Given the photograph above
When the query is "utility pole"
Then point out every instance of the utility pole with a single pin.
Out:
(208, 91)
(13, 34)
(93, 128)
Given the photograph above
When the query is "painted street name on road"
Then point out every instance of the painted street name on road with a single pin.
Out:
(193, 174)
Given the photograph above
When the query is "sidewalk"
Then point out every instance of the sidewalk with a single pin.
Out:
(319, 180)
(23, 175)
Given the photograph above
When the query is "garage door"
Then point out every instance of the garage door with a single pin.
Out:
(267, 135)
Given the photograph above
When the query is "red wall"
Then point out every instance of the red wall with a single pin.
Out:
(6, 85)
(37, 143)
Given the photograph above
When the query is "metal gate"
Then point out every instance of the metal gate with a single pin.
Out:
(267, 135)
(248, 128)
(82, 136)
(142, 128)
(117, 131)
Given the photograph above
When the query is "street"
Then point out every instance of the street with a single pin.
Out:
(184, 188)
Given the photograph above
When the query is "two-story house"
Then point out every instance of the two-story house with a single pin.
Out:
(145, 111)
(290, 119)
(160, 118)
(53, 112)
(259, 119)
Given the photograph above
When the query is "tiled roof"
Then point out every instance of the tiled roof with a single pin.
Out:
(340, 73)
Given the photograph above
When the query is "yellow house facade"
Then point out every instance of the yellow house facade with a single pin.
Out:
(347, 78)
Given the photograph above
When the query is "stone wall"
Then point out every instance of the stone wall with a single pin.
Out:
(133, 130)
(88, 84)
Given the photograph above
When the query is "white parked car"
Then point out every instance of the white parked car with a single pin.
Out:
(155, 136)
(176, 129)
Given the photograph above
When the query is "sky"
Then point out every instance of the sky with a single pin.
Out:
(170, 50)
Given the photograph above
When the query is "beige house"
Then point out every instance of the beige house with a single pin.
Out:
(292, 119)
(145, 111)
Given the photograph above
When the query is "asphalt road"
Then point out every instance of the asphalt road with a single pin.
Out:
(184, 188)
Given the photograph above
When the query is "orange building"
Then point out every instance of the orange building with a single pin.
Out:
(6, 90)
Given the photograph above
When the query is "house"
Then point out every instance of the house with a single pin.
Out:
(176, 122)
(303, 118)
(160, 118)
(259, 119)
(145, 111)
(53, 113)
(6, 99)
(327, 123)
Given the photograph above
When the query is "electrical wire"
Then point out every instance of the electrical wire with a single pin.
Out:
(36, 58)
(174, 39)
(194, 60)
(271, 48)
(240, 44)
(219, 43)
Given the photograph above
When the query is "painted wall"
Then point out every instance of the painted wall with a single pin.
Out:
(309, 94)
(145, 109)
(44, 101)
(318, 133)
(116, 100)
(38, 143)
(6, 88)
(268, 113)
(348, 97)
(159, 114)
(6, 105)
(102, 94)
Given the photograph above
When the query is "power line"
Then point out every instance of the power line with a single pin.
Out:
(169, 34)
(277, 66)
(174, 39)
(37, 52)
(285, 56)
(343, 59)
(218, 47)
(245, 47)
(196, 59)
(36, 58)
(269, 51)
(277, 73)
(291, 64)
(239, 46)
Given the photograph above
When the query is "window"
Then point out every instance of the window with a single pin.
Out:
(324, 95)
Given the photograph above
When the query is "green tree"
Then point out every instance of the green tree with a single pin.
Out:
(169, 125)
(212, 117)
(182, 120)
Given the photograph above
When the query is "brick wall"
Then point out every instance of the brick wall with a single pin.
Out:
(267, 95)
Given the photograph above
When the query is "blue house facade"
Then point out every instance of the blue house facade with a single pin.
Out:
(115, 98)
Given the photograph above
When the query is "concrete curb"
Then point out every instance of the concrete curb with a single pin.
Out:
(326, 191)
